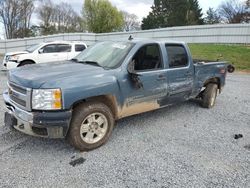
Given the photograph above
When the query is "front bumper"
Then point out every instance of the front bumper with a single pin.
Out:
(11, 65)
(8, 65)
(41, 124)
(4, 65)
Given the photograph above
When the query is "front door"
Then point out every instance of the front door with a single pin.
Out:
(149, 67)
(47, 53)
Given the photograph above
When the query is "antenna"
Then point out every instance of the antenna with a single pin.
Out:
(130, 37)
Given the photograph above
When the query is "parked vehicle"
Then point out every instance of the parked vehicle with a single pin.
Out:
(43, 53)
(81, 99)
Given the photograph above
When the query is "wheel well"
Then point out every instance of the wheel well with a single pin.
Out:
(29, 60)
(214, 81)
(109, 100)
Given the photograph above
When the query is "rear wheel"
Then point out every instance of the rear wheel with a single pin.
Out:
(209, 95)
(91, 126)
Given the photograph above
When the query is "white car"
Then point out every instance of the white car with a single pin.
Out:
(42, 53)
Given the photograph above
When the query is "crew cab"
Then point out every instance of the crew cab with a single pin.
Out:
(43, 53)
(82, 98)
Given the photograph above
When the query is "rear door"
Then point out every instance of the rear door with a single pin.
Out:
(180, 73)
(78, 49)
(64, 51)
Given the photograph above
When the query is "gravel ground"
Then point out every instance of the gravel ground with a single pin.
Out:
(179, 146)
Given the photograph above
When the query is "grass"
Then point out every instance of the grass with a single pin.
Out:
(237, 55)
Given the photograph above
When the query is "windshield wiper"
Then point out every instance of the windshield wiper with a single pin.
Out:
(91, 63)
(88, 62)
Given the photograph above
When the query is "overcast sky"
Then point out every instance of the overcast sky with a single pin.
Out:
(141, 8)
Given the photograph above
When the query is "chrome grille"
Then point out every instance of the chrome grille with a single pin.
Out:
(19, 89)
(20, 96)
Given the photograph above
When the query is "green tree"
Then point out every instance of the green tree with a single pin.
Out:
(194, 13)
(178, 12)
(212, 16)
(101, 16)
(168, 13)
(156, 18)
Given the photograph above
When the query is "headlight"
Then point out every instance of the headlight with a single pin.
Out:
(14, 58)
(46, 99)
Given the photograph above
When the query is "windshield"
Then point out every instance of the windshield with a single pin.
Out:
(105, 54)
(33, 48)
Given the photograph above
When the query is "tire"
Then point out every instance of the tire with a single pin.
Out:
(209, 96)
(25, 63)
(91, 126)
(230, 68)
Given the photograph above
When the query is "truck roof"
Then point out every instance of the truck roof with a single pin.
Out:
(67, 42)
(149, 40)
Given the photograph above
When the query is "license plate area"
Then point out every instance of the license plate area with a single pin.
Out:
(9, 120)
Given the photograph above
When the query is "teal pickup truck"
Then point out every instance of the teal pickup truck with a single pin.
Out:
(82, 98)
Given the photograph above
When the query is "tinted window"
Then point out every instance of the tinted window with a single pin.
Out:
(51, 48)
(79, 47)
(177, 56)
(148, 58)
(63, 48)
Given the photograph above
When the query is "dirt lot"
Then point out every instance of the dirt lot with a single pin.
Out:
(179, 146)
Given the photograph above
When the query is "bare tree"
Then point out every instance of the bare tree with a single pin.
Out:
(212, 16)
(45, 13)
(9, 14)
(247, 14)
(26, 11)
(233, 11)
(130, 21)
(15, 16)
(58, 18)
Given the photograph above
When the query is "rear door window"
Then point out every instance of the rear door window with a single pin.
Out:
(79, 47)
(63, 48)
(177, 56)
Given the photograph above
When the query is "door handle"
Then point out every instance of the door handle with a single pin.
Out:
(161, 77)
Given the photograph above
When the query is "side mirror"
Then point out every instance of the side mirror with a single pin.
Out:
(131, 67)
(40, 51)
(134, 76)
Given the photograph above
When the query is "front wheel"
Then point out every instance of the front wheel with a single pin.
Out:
(91, 126)
(24, 63)
(209, 95)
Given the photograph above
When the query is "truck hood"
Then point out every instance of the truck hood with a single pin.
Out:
(16, 53)
(52, 74)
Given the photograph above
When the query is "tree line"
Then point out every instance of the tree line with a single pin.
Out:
(101, 16)
(168, 13)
